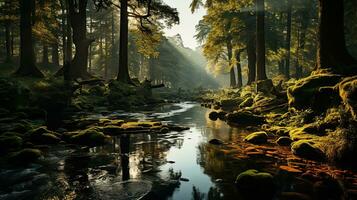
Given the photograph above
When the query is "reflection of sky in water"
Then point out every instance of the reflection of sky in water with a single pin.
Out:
(186, 161)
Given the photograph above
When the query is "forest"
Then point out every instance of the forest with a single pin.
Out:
(119, 99)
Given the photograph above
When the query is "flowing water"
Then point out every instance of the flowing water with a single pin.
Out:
(176, 165)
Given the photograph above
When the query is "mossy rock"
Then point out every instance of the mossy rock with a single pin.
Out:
(257, 138)
(253, 184)
(222, 115)
(244, 118)
(164, 130)
(264, 86)
(25, 156)
(247, 102)
(306, 149)
(112, 130)
(216, 142)
(348, 93)
(229, 104)
(89, 137)
(42, 135)
(284, 141)
(213, 115)
(9, 142)
(305, 93)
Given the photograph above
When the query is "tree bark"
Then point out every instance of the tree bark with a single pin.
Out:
(69, 54)
(233, 82)
(27, 54)
(260, 10)
(239, 70)
(64, 30)
(288, 40)
(123, 72)
(332, 53)
(252, 60)
(78, 18)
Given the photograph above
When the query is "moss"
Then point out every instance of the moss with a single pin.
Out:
(9, 142)
(341, 147)
(112, 130)
(348, 93)
(90, 137)
(257, 138)
(256, 185)
(247, 102)
(244, 118)
(25, 156)
(303, 94)
(307, 149)
(264, 86)
(284, 141)
(42, 135)
(229, 104)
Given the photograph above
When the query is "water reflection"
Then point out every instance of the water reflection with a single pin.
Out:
(124, 155)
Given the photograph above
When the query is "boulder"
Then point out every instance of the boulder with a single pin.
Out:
(253, 184)
(284, 141)
(247, 102)
(222, 115)
(244, 118)
(306, 93)
(213, 115)
(229, 104)
(264, 86)
(42, 135)
(112, 130)
(25, 156)
(9, 142)
(216, 142)
(348, 93)
(304, 149)
(89, 137)
(257, 138)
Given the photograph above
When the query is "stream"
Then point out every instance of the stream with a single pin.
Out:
(176, 165)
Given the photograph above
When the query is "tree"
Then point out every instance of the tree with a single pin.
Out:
(332, 52)
(27, 54)
(78, 21)
(260, 10)
(123, 72)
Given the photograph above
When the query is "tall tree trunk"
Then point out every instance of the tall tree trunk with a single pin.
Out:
(260, 10)
(69, 54)
(45, 60)
(113, 50)
(239, 70)
(55, 54)
(27, 54)
(64, 33)
(90, 46)
(332, 53)
(252, 60)
(233, 82)
(8, 41)
(288, 40)
(78, 18)
(123, 72)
